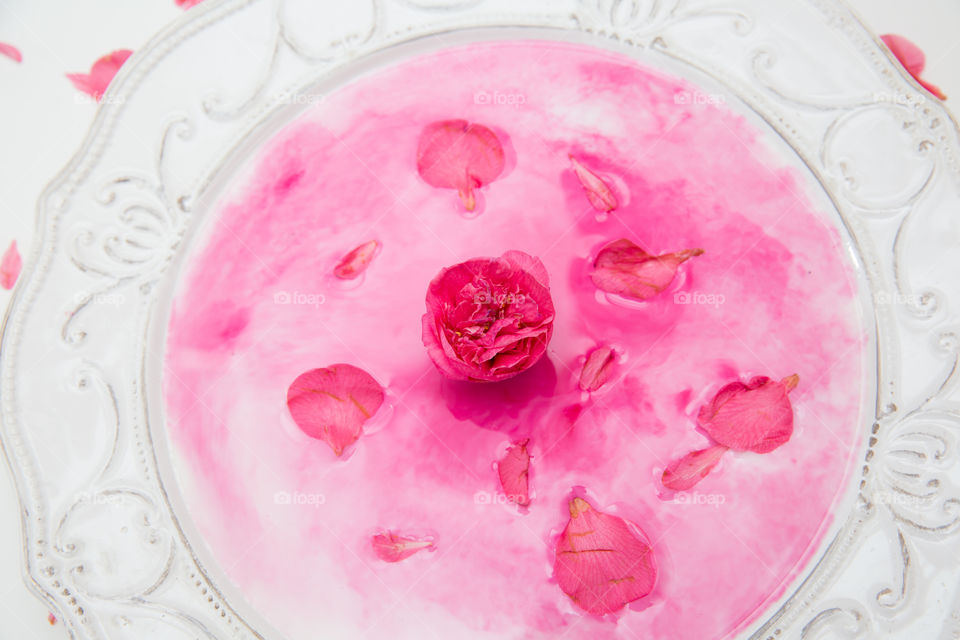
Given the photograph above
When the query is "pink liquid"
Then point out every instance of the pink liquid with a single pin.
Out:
(772, 295)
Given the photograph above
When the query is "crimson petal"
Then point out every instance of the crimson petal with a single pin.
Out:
(603, 562)
(913, 60)
(333, 404)
(357, 261)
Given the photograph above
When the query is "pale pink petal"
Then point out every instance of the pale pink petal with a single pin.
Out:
(10, 266)
(391, 547)
(11, 52)
(756, 416)
(357, 261)
(598, 192)
(603, 562)
(598, 369)
(913, 60)
(513, 469)
(689, 470)
(186, 4)
(624, 269)
(333, 404)
(455, 154)
(101, 74)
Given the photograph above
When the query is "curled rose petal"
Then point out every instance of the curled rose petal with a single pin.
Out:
(756, 416)
(598, 192)
(10, 266)
(913, 60)
(333, 404)
(624, 269)
(11, 52)
(689, 470)
(101, 73)
(391, 547)
(455, 154)
(598, 369)
(357, 261)
(513, 470)
(603, 562)
(488, 319)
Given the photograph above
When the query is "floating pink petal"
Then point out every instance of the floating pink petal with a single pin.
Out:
(101, 74)
(756, 416)
(11, 52)
(357, 261)
(391, 547)
(598, 369)
(624, 269)
(186, 4)
(598, 192)
(333, 404)
(455, 154)
(603, 562)
(514, 472)
(689, 470)
(913, 60)
(10, 266)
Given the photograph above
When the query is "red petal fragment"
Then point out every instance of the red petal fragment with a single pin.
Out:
(624, 269)
(598, 369)
(514, 472)
(913, 60)
(689, 470)
(455, 154)
(333, 404)
(599, 194)
(101, 73)
(357, 261)
(756, 416)
(391, 547)
(10, 266)
(52, 619)
(11, 52)
(603, 562)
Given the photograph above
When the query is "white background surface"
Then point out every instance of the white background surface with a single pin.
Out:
(43, 120)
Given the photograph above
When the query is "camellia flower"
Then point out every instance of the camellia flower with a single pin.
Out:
(454, 154)
(913, 60)
(356, 262)
(489, 319)
(333, 404)
(603, 562)
(101, 73)
(513, 469)
(624, 269)
(10, 266)
(11, 52)
(598, 192)
(391, 547)
(756, 416)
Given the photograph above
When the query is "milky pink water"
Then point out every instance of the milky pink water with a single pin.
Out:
(290, 524)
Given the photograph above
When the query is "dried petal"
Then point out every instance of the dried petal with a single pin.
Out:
(11, 52)
(599, 194)
(514, 472)
(101, 73)
(624, 269)
(756, 416)
(357, 261)
(913, 60)
(689, 470)
(52, 619)
(454, 154)
(598, 369)
(10, 266)
(391, 547)
(603, 562)
(333, 404)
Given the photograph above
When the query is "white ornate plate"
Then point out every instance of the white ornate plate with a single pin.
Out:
(107, 542)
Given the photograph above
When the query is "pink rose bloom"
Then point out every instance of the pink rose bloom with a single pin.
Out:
(489, 319)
